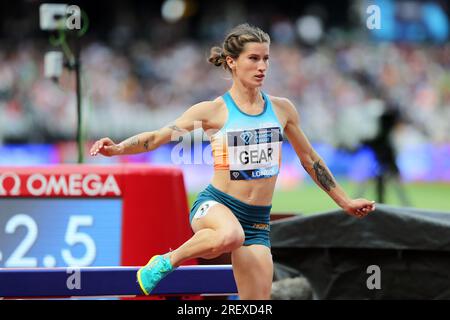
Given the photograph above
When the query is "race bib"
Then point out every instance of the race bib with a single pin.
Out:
(254, 154)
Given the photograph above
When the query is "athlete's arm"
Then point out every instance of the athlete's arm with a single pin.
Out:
(148, 141)
(316, 167)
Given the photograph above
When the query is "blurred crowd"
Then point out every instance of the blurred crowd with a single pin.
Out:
(145, 87)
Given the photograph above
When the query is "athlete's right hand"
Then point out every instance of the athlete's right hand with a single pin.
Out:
(106, 147)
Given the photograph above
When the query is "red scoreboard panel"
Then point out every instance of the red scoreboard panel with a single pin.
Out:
(85, 215)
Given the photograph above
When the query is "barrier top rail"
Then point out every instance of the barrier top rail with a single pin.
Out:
(112, 281)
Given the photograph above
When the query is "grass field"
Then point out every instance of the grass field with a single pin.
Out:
(309, 198)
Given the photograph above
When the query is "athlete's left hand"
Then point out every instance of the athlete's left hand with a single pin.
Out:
(359, 207)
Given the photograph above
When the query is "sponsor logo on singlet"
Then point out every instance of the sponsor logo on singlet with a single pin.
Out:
(254, 153)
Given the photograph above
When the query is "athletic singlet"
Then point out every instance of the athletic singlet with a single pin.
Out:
(249, 146)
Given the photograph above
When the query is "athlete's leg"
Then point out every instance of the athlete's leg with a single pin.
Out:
(216, 232)
(253, 272)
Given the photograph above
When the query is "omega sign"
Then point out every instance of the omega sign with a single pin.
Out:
(37, 184)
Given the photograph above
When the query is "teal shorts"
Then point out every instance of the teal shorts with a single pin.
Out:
(255, 220)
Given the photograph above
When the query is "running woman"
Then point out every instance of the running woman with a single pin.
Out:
(246, 128)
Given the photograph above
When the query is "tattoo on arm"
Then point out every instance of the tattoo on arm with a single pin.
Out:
(131, 142)
(304, 166)
(174, 127)
(149, 142)
(324, 178)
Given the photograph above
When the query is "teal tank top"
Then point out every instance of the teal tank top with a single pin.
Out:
(249, 146)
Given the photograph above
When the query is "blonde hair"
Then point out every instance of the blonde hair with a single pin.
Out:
(234, 43)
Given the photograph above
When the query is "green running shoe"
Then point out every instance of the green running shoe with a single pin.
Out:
(157, 268)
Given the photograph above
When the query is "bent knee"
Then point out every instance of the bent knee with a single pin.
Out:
(231, 240)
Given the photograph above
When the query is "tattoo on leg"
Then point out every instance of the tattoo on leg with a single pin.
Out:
(323, 176)
(146, 144)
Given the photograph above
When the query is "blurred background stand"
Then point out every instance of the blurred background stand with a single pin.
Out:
(65, 20)
(387, 172)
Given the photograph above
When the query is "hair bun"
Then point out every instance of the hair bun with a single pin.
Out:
(217, 56)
